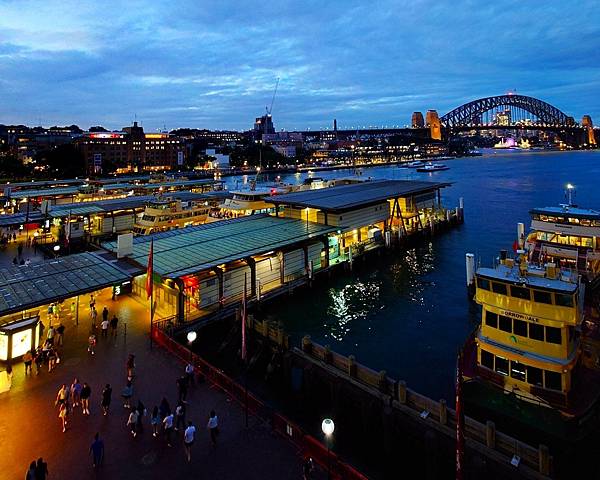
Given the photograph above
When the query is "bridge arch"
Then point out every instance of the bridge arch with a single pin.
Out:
(471, 113)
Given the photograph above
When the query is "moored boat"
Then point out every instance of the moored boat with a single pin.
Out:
(168, 213)
(433, 167)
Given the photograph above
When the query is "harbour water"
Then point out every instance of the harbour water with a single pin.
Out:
(408, 312)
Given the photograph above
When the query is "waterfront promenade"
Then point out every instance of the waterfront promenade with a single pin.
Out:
(30, 427)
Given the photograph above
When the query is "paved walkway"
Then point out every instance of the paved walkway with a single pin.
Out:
(30, 427)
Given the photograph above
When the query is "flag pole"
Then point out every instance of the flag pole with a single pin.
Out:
(244, 348)
(150, 287)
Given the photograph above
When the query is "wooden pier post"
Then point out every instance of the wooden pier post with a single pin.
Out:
(382, 381)
(544, 458)
(352, 366)
(402, 392)
(490, 434)
(443, 412)
(327, 355)
(307, 344)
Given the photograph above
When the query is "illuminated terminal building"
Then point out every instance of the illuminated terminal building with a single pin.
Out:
(131, 150)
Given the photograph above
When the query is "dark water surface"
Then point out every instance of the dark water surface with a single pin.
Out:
(408, 313)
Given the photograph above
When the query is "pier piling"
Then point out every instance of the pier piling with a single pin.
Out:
(470, 266)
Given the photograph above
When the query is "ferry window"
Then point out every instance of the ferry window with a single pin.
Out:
(517, 371)
(502, 365)
(499, 288)
(487, 359)
(210, 282)
(536, 332)
(535, 376)
(553, 380)
(520, 292)
(491, 319)
(505, 324)
(542, 297)
(483, 284)
(553, 335)
(520, 328)
(563, 300)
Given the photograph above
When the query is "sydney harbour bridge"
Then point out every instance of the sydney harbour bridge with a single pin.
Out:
(502, 112)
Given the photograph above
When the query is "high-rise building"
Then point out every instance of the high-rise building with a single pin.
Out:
(131, 150)
(263, 125)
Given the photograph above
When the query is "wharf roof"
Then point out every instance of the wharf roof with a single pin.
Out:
(24, 287)
(572, 212)
(45, 192)
(112, 205)
(346, 197)
(534, 278)
(194, 249)
(20, 219)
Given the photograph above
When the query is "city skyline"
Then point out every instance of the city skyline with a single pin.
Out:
(215, 65)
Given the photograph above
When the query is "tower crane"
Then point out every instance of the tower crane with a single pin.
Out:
(270, 109)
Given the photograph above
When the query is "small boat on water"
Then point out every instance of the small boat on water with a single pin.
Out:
(416, 164)
(431, 167)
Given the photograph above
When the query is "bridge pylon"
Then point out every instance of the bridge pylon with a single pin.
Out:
(434, 124)
(586, 122)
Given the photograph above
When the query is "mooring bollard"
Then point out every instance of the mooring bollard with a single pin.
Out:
(327, 355)
(382, 381)
(470, 266)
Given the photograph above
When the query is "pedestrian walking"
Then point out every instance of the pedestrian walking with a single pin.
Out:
(132, 421)
(179, 416)
(52, 358)
(142, 413)
(20, 249)
(6, 382)
(97, 451)
(189, 372)
(104, 326)
(307, 469)
(155, 421)
(168, 428)
(105, 314)
(126, 394)
(92, 302)
(188, 440)
(113, 326)
(76, 392)
(130, 365)
(106, 399)
(39, 360)
(30, 474)
(213, 427)
(92, 344)
(86, 393)
(50, 335)
(27, 359)
(94, 316)
(63, 412)
(62, 395)
(41, 469)
(182, 388)
(60, 331)
(165, 408)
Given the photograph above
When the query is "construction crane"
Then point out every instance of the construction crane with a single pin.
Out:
(270, 109)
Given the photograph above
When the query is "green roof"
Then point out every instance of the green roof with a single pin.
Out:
(23, 287)
(356, 195)
(193, 249)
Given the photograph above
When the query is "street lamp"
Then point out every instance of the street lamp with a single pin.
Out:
(56, 249)
(328, 426)
(191, 336)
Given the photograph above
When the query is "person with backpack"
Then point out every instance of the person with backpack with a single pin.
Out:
(133, 420)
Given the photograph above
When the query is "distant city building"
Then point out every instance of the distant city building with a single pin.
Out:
(268, 138)
(220, 160)
(417, 120)
(263, 125)
(433, 123)
(225, 136)
(131, 150)
(285, 150)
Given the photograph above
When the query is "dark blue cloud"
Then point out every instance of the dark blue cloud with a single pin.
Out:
(214, 64)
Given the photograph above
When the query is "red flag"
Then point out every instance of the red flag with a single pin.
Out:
(244, 320)
(460, 421)
(149, 270)
(515, 245)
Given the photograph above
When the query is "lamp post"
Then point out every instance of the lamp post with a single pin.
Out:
(56, 249)
(328, 426)
(191, 336)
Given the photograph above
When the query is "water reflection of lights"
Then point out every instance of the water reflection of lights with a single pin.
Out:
(351, 303)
